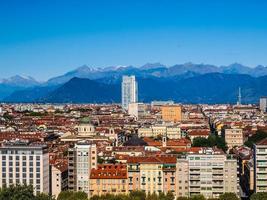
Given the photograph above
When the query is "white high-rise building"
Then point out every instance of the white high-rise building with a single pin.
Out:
(82, 158)
(129, 91)
(263, 104)
(27, 163)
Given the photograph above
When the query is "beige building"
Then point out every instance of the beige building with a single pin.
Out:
(171, 113)
(172, 132)
(211, 173)
(136, 110)
(152, 174)
(86, 130)
(22, 162)
(109, 179)
(59, 177)
(233, 137)
(182, 174)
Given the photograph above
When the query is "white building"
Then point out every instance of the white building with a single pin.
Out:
(211, 173)
(260, 166)
(263, 104)
(136, 109)
(129, 91)
(22, 162)
(82, 158)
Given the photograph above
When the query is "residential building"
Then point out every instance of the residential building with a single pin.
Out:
(211, 173)
(22, 162)
(263, 104)
(182, 177)
(59, 177)
(109, 178)
(233, 137)
(82, 158)
(136, 110)
(152, 174)
(260, 166)
(172, 132)
(129, 91)
(172, 113)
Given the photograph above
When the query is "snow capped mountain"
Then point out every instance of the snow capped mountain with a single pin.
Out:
(21, 81)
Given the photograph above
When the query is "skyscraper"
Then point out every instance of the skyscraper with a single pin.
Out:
(263, 104)
(129, 91)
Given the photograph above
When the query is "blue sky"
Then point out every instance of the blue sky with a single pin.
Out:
(46, 38)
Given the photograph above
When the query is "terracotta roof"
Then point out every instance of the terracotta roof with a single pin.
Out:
(154, 159)
(109, 171)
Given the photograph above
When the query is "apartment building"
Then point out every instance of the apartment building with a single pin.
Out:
(260, 166)
(82, 159)
(152, 174)
(59, 177)
(172, 132)
(211, 173)
(22, 162)
(233, 137)
(171, 113)
(109, 178)
(137, 110)
(182, 177)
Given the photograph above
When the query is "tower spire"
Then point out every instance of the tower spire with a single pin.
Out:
(239, 96)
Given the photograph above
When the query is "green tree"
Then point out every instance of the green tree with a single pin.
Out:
(43, 196)
(197, 197)
(259, 196)
(182, 198)
(258, 136)
(137, 195)
(18, 192)
(70, 195)
(228, 196)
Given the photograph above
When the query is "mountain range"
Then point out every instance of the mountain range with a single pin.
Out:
(188, 83)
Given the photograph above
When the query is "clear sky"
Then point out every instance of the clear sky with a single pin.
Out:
(45, 38)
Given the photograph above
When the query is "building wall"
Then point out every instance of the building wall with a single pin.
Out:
(82, 158)
(260, 168)
(59, 181)
(108, 186)
(25, 165)
(129, 91)
(171, 113)
(233, 137)
(182, 178)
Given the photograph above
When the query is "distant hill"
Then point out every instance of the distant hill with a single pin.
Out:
(178, 82)
(205, 88)
(79, 90)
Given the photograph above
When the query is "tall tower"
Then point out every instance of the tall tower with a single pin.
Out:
(129, 91)
(239, 96)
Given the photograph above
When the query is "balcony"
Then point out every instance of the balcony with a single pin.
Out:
(194, 177)
(217, 177)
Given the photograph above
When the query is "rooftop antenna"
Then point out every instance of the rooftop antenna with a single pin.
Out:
(239, 96)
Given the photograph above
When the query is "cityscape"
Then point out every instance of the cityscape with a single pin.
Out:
(172, 104)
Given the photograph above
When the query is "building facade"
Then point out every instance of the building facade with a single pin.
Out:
(82, 158)
(233, 137)
(171, 113)
(109, 178)
(129, 91)
(152, 174)
(263, 104)
(22, 162)
(211, 173)
(260, 166)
